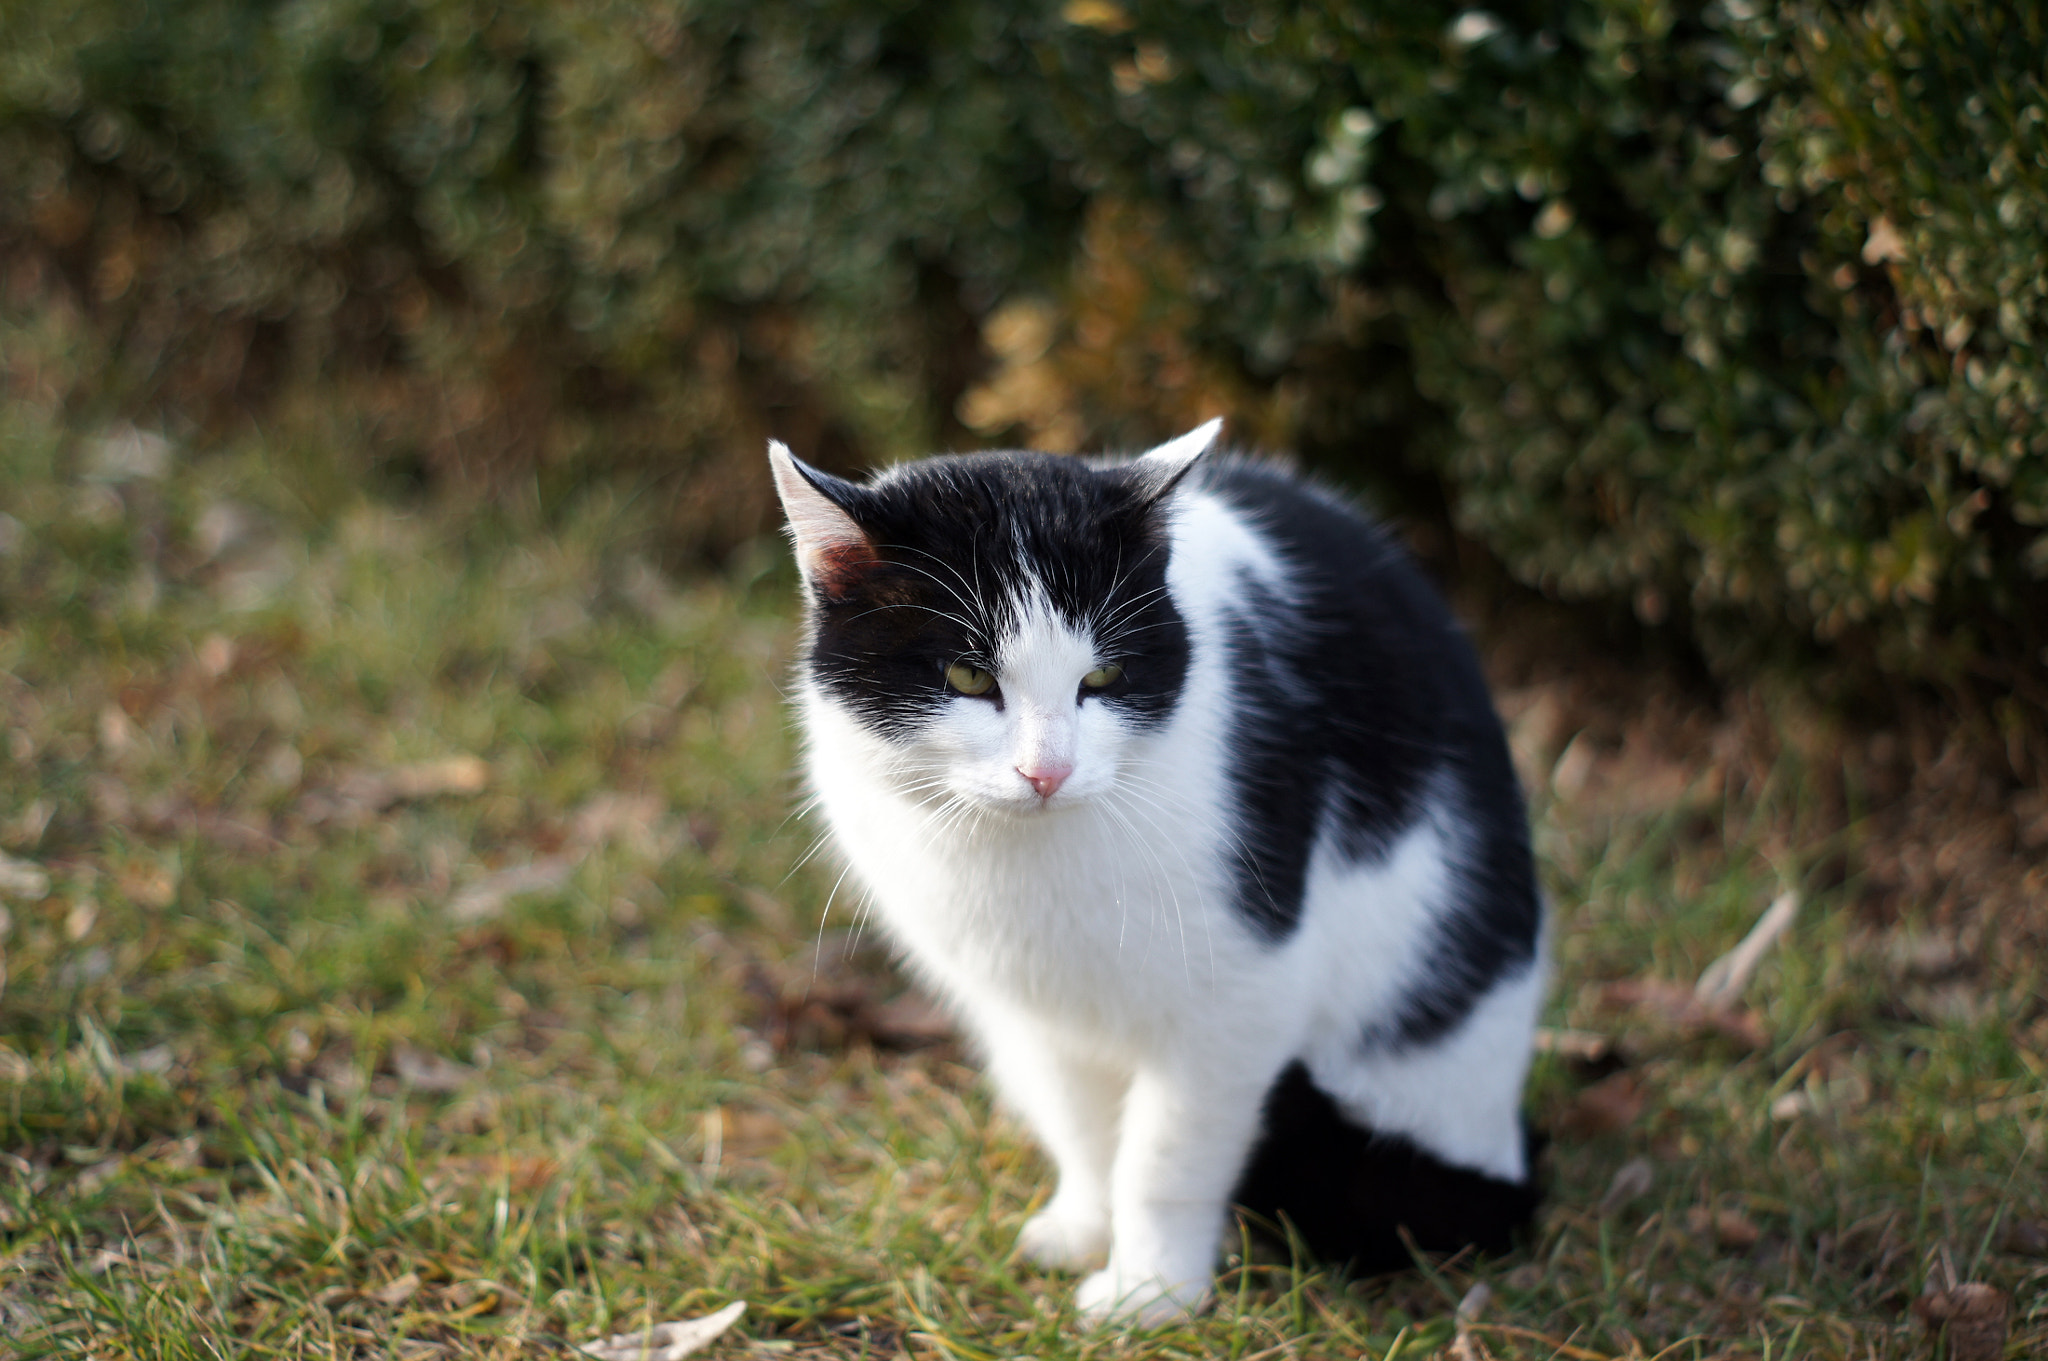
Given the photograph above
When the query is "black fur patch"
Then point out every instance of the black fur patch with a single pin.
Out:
(1357, 695)
(1350, 1193)
(955, 539)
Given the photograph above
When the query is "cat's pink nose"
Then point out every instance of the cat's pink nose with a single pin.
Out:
(1045, 778)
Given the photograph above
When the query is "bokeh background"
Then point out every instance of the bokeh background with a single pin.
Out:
(1726, 316)
(406, 949)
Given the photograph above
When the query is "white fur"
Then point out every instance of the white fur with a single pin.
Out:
(1090, 943)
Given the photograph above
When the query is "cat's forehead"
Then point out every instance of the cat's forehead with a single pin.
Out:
(1011, 486)
(1010, 534)
(1017, 514)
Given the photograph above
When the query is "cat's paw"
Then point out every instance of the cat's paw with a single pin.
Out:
(1063, 1240)
(1115, 1296)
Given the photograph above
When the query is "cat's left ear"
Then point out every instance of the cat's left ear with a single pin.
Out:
(1164, 467)
(831, 549)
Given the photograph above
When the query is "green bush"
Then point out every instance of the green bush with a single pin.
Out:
(1728, 311)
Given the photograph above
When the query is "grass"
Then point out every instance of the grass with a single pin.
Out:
(290, 1065)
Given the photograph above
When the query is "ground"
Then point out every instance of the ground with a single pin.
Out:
(410, 950)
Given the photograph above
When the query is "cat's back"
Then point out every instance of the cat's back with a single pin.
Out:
(1344, 569)
(1360, 713)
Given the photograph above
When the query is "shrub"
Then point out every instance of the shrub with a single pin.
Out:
(1729, 311)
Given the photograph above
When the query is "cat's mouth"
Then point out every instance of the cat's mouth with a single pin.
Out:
(1020, 798)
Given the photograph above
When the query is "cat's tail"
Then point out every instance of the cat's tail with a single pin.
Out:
(1360, 1197)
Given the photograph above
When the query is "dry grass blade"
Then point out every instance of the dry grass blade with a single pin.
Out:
(426, 780)
(1580, 1046)
(1722, 982)
(487, 896)
(666, 1341)
(23, 879)
(1465, 1345)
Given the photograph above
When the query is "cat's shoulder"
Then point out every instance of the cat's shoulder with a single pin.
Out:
(1307, 520)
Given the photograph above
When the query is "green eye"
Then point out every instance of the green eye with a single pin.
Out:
(1103, 676)
(969, 680)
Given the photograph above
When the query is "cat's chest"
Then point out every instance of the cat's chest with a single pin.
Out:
(1117, 898)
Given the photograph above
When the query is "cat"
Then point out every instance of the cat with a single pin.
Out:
(1176, 779)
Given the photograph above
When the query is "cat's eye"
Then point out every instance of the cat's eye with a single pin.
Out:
(969, 680)
(1102, 677)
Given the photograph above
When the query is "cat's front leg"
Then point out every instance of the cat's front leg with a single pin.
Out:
(1184, 1141)
(1071, 1104)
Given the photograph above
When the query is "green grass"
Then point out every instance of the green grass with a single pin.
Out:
(275, 1080)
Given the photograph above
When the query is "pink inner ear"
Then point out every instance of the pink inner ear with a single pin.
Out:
(838, 565)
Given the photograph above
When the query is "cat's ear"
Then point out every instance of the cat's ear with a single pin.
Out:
(831, 549)
(1164, 467)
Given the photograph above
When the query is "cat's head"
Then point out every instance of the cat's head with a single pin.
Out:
(998, 624)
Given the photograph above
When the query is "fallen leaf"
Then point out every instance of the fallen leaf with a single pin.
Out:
(521, 1174)
(1611, 1104)
(1928, 956)
(397, 1292)
(1679, 1007)
(1884, 244)
(1792, 1105)
(117, 730)
(431, 779)
(362, 793)
(93, 1179)
(2026, 1238)
(109, 799)
(106, 1259)
(33, 821)
(156, 1059)
(428, 1072)
(216, 655)
(1536, 722)
(635, 821)
(471, 1299)
(1632, 1179)
(1730, 1229)
(127, 453)
(748, 1133)
(666, 1341)
(1974, 1317)
(1956, 1003)
(909, 1022)
(1574, 766)
(78, 922)
(149, 885)
(828, 1001)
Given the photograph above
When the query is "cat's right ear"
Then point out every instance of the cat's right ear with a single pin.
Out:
(831, 550)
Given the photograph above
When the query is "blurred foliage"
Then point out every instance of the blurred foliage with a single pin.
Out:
(1729, 311)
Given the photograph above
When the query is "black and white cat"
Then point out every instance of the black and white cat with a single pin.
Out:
(1183, 787)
